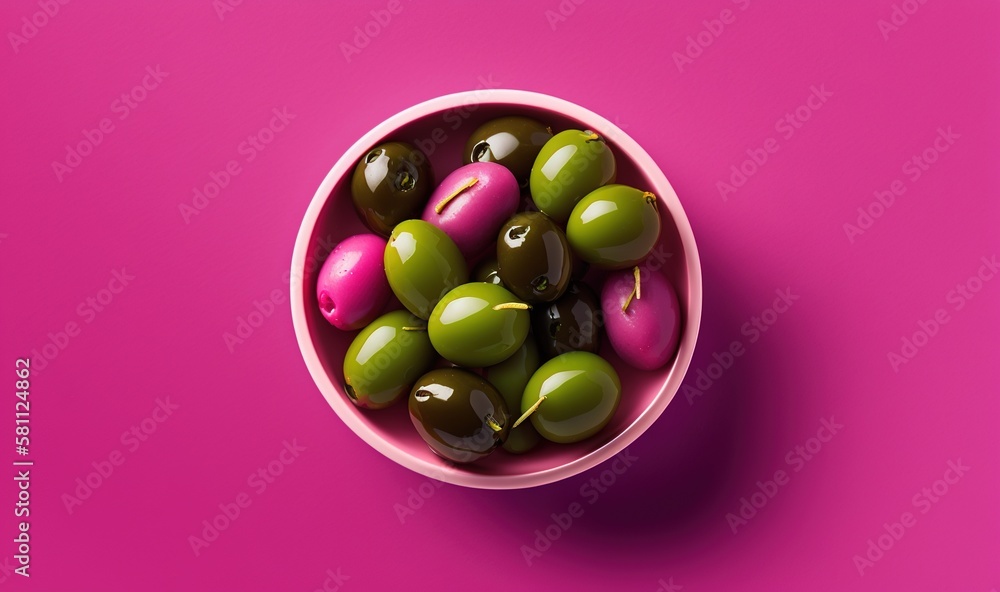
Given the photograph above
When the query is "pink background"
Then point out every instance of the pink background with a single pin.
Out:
(663, 523)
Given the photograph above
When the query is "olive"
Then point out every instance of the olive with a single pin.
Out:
(570, 165)
(614, 227)
(472, 203)
(459, 415)
(478, 324)
(511, 141)
(642, 316)
(510, 377)
(351, 288)
(488, 271)
(390, 184)
(534, 257)
(571, 323)
(385, 358)
(422, 264)
(572, 396)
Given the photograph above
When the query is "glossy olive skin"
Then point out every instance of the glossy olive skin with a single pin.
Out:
(459, 415)
(570, 165)
(614, 227)
(467, 329)
(488, 271)
(511, 141)
(422, 264)
(391, 183)
(534, 256)
(582, 392)
(510, 377)
(572, 323)
(384, 360)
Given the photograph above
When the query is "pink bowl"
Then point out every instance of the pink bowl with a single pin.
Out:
(430, 126)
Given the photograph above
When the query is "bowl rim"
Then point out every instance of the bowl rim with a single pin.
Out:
(449, 473)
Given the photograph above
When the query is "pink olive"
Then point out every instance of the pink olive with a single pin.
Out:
(352, 288)
(472, 203)
(646, 331)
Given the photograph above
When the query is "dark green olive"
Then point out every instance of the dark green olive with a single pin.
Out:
(614, 227)
(571, 323)
(510, 377)
(534, 257)
(385, 358)
(572, 396)
(512, 141)
(390, 184)
(459, 415)
(570, 165)
(488, 271)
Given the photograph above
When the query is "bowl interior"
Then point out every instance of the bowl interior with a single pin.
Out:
(441, 134)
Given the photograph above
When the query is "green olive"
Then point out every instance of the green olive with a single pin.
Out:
(488, 271)
(478, 325)
(614, 227)
(510, 377)
(513, 142)
(535, 259)
(579, 392)
(385, 358)
(422, 264)
(459, 415)
(570, 165)
(390, 184)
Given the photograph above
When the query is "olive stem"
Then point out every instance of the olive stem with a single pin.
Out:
(649, 197)
(528, 413)
(514, 305)
(490, 421)
(591, 137)
(636, 289)
(441, 204)
(424, 328)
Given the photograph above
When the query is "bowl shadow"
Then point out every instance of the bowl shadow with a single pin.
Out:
(682, 479)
